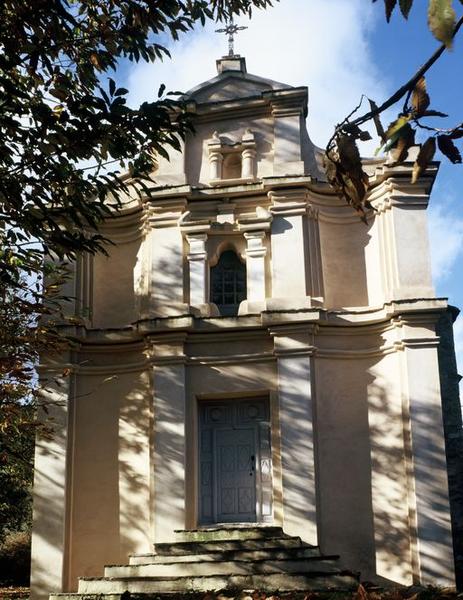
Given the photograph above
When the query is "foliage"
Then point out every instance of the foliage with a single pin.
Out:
(15, 559)
(63, 122)
(343, 164)
(23, 298)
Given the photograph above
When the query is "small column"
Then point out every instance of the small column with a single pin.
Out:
(247, 166)
(169, 435)
(429, 507)
(294, 348)
(255, 265)
(197, 260)
(215, 157)
(248, 155)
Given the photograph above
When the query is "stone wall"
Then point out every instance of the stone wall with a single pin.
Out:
(451, 408)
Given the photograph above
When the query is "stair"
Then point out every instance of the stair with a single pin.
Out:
(218, 559)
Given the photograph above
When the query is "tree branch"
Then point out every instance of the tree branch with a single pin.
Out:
(407, 87)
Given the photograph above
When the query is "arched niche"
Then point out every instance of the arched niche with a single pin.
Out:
(232, 166)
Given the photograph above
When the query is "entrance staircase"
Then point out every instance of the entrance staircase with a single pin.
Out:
(226, 559)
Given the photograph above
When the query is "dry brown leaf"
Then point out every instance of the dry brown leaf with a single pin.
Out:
(420, 98)
(448, 148)
(405, 141)
(424, 157)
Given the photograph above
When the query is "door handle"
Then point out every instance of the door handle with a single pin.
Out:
(253, 459)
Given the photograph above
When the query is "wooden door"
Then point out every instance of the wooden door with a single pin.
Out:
(235, 475)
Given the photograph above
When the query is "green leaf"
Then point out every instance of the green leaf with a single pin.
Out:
(396, 126)
(442, 20)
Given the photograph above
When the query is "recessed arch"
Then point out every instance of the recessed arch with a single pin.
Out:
(232, 165)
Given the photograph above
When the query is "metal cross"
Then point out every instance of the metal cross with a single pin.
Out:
(230, 29)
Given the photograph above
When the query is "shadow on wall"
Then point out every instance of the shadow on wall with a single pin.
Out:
(362, 503)
(407, 457)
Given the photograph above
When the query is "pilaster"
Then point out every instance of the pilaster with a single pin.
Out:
(52, 491)
(287, 142)
(293, 347)
(255, 268)
(289, 245)
(314, 259)
(168, 361)
(197, 260)
(404, 242)
(429, 510)
(166, 259)
(196, 235)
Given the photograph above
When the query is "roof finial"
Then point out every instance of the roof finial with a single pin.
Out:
(230, 29)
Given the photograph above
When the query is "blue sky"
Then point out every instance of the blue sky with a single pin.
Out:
(340, 49)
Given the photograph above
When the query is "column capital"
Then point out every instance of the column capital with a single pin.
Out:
(255, 247)
(197, 242)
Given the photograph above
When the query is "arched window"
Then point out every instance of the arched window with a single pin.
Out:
(228, 283)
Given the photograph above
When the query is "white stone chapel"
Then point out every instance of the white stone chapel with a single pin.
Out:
(251, 356)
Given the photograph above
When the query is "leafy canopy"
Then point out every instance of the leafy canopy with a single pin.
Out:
(63, 119)
(59, 112)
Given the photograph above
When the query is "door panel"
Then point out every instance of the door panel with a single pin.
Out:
(236, 475)
(235, 461)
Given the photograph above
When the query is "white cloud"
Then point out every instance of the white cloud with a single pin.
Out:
(294, 42)
(322, 44)
(446, 240)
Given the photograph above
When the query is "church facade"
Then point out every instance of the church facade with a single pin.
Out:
(251, 353)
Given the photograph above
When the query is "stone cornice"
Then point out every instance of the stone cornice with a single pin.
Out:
(257, 105)
(397, 314)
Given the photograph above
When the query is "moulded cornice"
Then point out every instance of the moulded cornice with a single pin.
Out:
(125, 227)
(347, 322)
(166, 213)
(259, 104)
(231, 359)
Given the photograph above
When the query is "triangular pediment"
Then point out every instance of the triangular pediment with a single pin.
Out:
(232, 85)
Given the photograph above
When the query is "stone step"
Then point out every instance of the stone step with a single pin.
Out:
(181, 548)
(269, 582)
(223, 567)
(209, 534)
(277, 553)
(232, 594)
